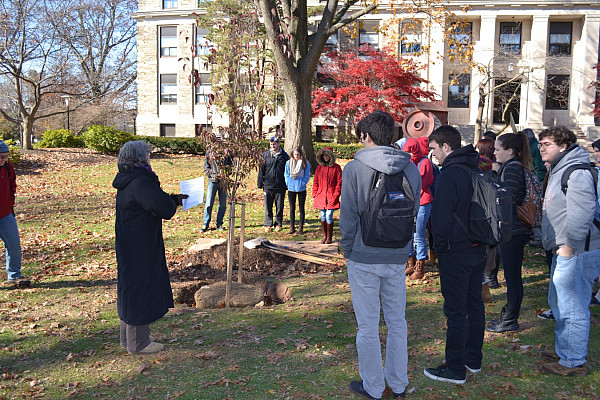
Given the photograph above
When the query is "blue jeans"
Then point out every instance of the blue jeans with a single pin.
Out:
(571, 280)
(460, 279)
(420, 238)
(211, 192)
(369, 283)
(9, 233)
(327, 215)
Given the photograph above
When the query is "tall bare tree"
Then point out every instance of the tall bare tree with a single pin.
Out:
(31, 61)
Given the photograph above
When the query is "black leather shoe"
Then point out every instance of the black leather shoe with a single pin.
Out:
(357, 388)
(503, 326)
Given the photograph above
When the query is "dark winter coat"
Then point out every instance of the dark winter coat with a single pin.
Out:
(143, 288)
(453, 195)
(327, 183)
(512, 175)
(8, 187)
(271, 173)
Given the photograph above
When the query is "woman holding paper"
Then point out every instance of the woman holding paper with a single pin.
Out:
(143, 289)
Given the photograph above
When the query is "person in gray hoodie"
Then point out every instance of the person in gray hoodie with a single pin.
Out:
(568, 232)
(376, 273)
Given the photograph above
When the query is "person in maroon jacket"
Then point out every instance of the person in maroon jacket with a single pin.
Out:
(327, 188)
(9, 231)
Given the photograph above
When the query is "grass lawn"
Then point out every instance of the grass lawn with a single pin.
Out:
(59, 338)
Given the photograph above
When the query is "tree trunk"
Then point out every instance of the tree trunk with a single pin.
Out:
(26, 131)
(478, 121)
(298, 116)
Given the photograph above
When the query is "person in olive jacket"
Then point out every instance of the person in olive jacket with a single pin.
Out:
(327, 188)
(143, 289)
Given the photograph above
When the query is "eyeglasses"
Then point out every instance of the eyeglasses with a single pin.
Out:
(546, 145)
(4, 157)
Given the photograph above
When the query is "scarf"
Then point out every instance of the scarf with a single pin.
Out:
(295, 168)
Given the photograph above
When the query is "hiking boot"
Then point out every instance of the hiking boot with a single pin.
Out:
(410, 266)
(419, 272)
(486, 295)
(278, 228)
(301, 230)
(153, 347)
(557, 369)
(550, 354)
(431, 258)
(503, 326)
(357, 388)
(292, 229)
(19, 282)
(546, 315)
(444, 374)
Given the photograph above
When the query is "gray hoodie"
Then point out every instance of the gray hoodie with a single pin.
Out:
(356, 180)
(567, 219)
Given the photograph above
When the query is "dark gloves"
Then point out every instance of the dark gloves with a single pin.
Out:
(178, 198)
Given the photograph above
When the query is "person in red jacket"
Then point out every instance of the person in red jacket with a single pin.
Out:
(327, 188)
(9, 231)
(415, 268)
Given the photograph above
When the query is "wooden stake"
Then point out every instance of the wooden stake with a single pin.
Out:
(241, 255)
(230, 252)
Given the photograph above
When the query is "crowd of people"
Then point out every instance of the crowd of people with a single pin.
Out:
(438, 170)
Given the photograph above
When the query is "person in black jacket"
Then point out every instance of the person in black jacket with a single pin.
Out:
(461, 261)
(143, 289)
(513, 155)
(271, 178)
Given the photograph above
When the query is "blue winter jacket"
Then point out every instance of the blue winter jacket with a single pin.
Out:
(296, 184)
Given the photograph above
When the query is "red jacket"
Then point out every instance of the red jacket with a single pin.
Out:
(327, 183)
(415, 148)
(8, 187)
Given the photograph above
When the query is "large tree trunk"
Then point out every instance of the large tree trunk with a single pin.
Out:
(26, 131)
(298, 114)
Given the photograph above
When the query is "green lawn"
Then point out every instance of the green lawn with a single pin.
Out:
(59, 338)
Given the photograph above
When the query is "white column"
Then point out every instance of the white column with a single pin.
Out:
(585, 57)
(483, 54)
(536, 59)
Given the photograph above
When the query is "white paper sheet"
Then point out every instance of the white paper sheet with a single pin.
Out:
(194, 188)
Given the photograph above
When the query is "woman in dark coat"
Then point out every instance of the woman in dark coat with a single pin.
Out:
(143, 288)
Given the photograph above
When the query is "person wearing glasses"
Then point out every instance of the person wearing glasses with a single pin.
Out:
(9, 231)
(569, 233)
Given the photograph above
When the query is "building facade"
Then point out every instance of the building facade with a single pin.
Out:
(534, 60)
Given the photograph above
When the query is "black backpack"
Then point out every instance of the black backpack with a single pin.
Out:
(389, 218)
(490, 211)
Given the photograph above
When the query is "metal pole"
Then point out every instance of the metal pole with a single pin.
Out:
(230, 252)
(68, 117)
(241, 255)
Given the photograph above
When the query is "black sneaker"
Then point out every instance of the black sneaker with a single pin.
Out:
(473, 370)
(204, 228)
(444, 374)
(546, 315)
(357, 388)
(399, 395)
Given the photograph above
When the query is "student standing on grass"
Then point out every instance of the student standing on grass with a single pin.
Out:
(461, 261)
(272, 180)
(569, 233)
(213, 170)
(9, 231)
(376, 275)
(144, 292)
(326, 191)
(297, 175)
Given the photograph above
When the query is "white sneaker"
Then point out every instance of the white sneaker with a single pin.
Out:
(546, 315)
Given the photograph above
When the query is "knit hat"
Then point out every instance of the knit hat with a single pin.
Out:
(3, 147)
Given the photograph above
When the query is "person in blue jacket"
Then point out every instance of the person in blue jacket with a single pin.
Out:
(297, 174)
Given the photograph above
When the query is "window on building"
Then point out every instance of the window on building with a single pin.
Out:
(168, 41)
(410, 37)
(557, 92)
(510, 37)
(460, 34)
(368, 36)
(167, 130)
(200, 128)
(559, 42)
(332, 43)
(203, 94)
(168, 89)
(459, 90)
(203, 45)
(169, 3)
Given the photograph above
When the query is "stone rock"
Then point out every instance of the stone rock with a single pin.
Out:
(241, 295)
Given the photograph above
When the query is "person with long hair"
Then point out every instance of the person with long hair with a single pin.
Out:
(297, 174)
(513, 155)
(485, 148)
(415, 268)
(327, 189)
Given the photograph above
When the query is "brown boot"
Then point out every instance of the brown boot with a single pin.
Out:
(410, 265)
(292, 228)
(324, 230)
(432, 258)
(486, 295)
(329, 233)
(419, 272)
(301, 230)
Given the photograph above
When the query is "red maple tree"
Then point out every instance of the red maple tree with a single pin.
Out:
(355, 85)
